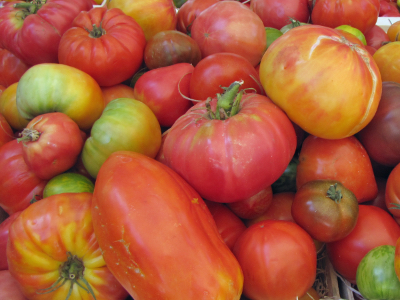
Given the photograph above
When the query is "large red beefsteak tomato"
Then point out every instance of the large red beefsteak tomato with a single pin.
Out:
(32, 30)
(234, 154)
(157, 235)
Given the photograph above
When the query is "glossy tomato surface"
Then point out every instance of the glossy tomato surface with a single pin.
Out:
(296, 68)
(189, 12)
(8, 108)
(344, 160)
(157, 235)
(230, 26)
(11, 68)
(376, 37)
(388, 62)
(58, 241)
(375, 227)
(271, 271)
(226, 160)
(105, 43)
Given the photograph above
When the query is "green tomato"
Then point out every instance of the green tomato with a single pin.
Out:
(272, 34)
(354, 31)
(376, 278)
(68, 183)
(293, 23)
(125, 125)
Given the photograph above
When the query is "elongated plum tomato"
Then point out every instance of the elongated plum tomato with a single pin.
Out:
(157, 235)
(59, 244)
(306, 73)
(231, 155)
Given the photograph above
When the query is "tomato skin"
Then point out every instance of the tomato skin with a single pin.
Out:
(46, 229)
(344, 160)
(392, 192)
(35, 39)
(324, 216)
(9, 288)
(220, 70)
(116, 91)
(6, 132)
(189, 11)
(229, 225)
(4, 229)
(140, 238)
(393, 32)
(56, 87)
(68, 183)
(212, 155)
(171, 47)
(277, 14)
(57, 147)
(111, 58)
(126, 124)
(376, 276)
(381, 137)
(376, 36)
(11, 68)
(161, 89)
(152, 15)
(388, 62)
(264, 251)
(375, 227)
(294, 71)
(15, 195)
(8, 108)
(230, 26)
(361, 14)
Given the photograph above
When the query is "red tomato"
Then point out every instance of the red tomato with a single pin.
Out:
(116, 91)
(11, 68)
(165, 91)
(388, 9)
(295, 70)
(15, 195)
(219, 70)
(33, 31)
(388, 62)
(8, 108)
(280, 209)
(326, 209)
(6, 132)
(230, 26)
(221, 156)
(9, 288)
(381, 137)
(277, 14)
(376, 37)
(171, 47)
(361, 14)
(229, 225)
(105, 43)
(374, 227)
(4, 229)
(152, 15)
(60, 244)
(271, 271)
(392, 192)
(189, 11)
(158, 237)
(379, 200)
(344, 160)
(254, 206)
(51, 144)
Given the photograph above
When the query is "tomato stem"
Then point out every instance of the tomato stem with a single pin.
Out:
(29, 135)
(334, 193)
(96, 31)
(30, 7)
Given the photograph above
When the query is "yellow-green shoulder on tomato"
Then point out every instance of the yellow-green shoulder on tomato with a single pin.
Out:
(68, 183)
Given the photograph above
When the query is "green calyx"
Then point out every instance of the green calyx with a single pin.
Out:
(29, 135)
(334, 193)
(29, 8)
(228, 104)
(71, 270)
(96, 32)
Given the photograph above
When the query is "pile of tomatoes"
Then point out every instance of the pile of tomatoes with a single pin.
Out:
(199, 149)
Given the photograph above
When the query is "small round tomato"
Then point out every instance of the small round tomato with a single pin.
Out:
(271, 271)
(393, 32)
(388, 61)
(325, 209)
(375, 227)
